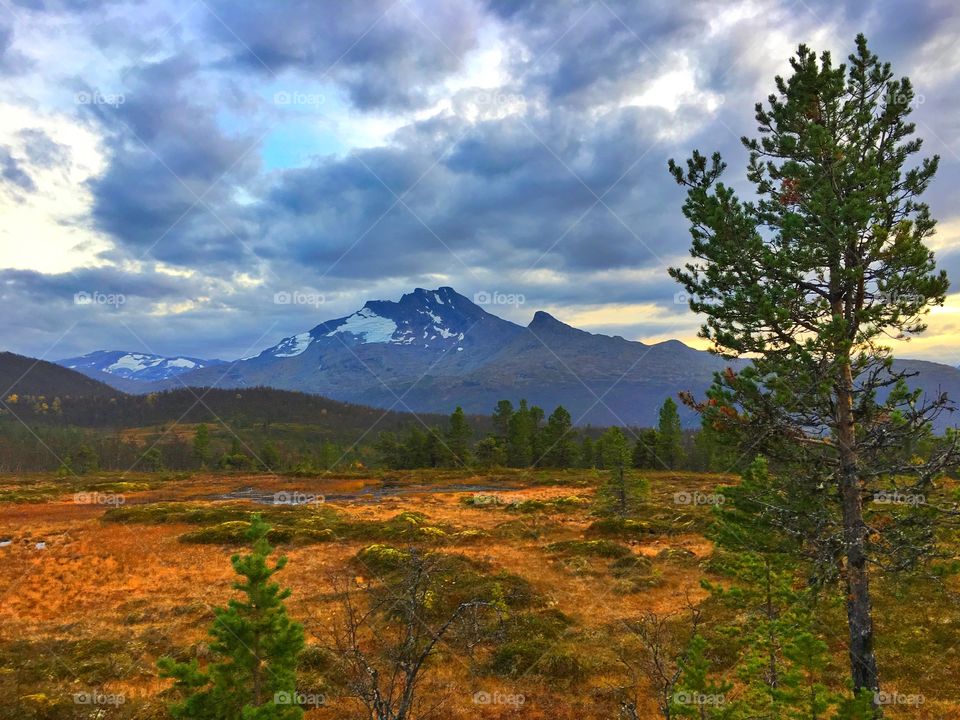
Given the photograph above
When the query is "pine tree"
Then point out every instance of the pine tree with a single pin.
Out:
(458, 438)
(538, 438)
(561, 450)
(587, 453)
(201, 444)
(645, 450)
(152, 459)
(669, 435)
(255, 647)
(802, 693)
(329, 455)
(715, 451)
(520, 437)
(236, 458)
(807, 281)
(390, 451)
(416, 449)
(84, 460)
(269, 457)
(491, 453)
(771, 622)
(697, 694)
(501, 419)
(620, 494)
(435, 449)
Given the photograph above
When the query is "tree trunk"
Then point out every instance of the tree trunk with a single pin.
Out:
(863, 662)
(257, 675)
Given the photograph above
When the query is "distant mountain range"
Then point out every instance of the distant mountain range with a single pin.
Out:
(435, 349)
(134, 365)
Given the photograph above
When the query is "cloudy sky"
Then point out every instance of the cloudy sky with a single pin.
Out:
(178, 163)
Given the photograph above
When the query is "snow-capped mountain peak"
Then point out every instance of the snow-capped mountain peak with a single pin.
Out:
(437, 319)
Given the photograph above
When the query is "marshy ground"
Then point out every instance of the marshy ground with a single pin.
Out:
(102, 575)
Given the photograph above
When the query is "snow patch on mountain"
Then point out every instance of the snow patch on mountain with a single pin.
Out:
(134, 365)
(293, 346)
(404, 338)
(369, 326)
(131, 363)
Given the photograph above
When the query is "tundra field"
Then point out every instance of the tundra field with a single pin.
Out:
(103, 575)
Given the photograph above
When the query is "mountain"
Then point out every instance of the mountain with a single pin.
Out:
(116, 366)
(21, 375)
(435, 349)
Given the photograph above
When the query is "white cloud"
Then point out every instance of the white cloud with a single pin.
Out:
(49, 229)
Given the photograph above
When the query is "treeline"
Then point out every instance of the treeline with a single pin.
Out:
(524, 436)
(276, 431)
(71, 450)
(519, 437)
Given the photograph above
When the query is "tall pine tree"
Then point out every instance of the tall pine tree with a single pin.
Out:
(561, 450)
(458, 438)
(807, 281)
(520, 437)
(669, 435)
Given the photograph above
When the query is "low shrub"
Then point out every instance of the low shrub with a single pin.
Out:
(594, 548)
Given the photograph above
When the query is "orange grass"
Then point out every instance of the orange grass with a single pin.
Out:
(141, 587)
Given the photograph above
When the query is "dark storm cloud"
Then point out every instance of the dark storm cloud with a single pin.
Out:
(510, 193)
(583, 52)
(48, 319)
(61, 287)
(168, 189)
(385, 53)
